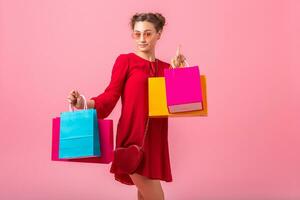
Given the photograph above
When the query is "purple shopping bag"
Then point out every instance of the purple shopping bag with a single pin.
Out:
(183, 89)
(105, 138)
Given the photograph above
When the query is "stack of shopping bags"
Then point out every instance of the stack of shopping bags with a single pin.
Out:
(80, 137)
(181, 92)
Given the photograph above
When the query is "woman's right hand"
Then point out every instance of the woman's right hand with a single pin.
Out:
(75, 99)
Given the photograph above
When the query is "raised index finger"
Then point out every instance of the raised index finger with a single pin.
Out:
(178, 50)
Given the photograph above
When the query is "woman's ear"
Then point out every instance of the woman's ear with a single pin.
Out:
(159, 34)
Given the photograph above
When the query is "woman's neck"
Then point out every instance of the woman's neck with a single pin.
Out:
(146, 55)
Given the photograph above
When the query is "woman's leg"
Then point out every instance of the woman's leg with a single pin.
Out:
(150, 189)
(140, 196)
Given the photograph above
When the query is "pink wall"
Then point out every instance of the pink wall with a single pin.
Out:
(248, 147)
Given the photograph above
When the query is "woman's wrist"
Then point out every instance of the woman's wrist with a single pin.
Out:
(90, 103)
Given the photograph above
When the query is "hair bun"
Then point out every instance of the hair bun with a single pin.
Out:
(161, 18)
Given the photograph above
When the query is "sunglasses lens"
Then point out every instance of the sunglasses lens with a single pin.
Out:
(136, 35)
(148, 34)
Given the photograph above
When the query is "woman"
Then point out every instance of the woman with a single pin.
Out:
(129, 79)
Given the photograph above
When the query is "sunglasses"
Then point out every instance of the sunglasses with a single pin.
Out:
(146, 34)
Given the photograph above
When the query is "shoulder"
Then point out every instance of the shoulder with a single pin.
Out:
(122, 57)
(127, 57)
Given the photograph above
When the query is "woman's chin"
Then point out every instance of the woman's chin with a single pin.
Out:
(143, 49)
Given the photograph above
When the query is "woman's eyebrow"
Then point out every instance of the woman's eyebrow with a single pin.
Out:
(143, 31)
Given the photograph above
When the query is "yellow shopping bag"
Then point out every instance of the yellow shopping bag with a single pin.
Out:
(158, 99)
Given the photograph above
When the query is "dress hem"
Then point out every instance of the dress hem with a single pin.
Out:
(147, 176)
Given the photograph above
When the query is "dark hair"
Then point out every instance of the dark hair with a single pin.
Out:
(155, 18)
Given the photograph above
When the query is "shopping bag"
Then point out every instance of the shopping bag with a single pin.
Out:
(79, 133)
(183, 89)
(105, 139)
(157, 99)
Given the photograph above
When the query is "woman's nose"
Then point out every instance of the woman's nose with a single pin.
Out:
(142, 38)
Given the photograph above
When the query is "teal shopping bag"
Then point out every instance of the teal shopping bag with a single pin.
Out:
(79, 136)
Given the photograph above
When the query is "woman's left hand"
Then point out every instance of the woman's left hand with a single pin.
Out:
(179, 59)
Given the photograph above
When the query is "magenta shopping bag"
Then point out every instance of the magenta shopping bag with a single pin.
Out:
(105, 138)
(183, 89)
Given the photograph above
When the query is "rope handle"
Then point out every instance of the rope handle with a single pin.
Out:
(148, 119)
(145, 133)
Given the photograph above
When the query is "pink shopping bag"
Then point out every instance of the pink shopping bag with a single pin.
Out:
(105, 138)
(183, 89)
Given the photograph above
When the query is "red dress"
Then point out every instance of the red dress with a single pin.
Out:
(129, 79)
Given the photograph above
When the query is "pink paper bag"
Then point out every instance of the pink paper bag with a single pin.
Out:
(105, 137)
(183, 89)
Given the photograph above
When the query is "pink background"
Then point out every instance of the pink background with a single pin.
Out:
(248, 146)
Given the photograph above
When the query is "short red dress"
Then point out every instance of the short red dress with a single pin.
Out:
(129, 80)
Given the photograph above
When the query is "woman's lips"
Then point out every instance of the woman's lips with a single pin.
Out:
(143, 45)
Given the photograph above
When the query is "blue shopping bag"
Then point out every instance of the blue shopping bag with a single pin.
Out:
(79, 133)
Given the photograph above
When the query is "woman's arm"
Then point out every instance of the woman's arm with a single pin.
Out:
(106, 101)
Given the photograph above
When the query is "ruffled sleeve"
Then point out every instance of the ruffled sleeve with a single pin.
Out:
(106, 101)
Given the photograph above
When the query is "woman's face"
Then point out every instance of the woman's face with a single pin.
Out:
(145, 36)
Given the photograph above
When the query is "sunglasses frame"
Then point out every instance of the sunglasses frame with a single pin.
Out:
(144, 34)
